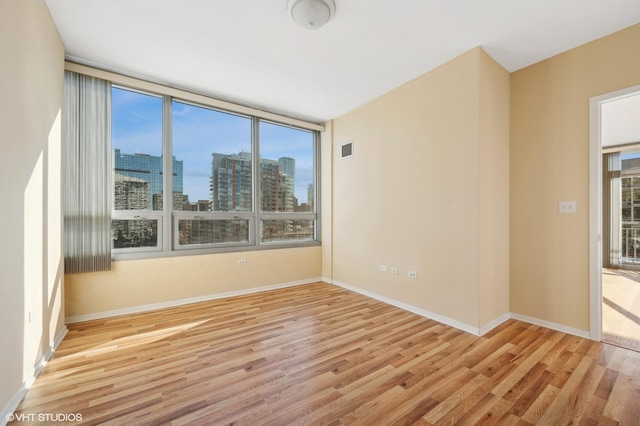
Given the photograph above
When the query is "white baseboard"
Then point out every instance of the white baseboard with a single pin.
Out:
(422, 312)
(552, 326)
(494, 323)
(47, 356)
(179, 302)
(460, 325)
(11, 406)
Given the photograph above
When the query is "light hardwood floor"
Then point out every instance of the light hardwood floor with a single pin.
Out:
(621, 308)
(319, 354)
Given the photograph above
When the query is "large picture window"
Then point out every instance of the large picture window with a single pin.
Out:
(188, 176)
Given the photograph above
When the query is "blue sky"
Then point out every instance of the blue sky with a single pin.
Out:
(199, 132)
(630, 154)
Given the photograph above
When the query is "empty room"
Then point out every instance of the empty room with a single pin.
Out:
(287, 212)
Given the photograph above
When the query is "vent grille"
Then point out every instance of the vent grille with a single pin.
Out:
(347, 149)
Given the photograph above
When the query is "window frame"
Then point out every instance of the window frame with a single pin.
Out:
(178, 216)
(168, 220)
(139, 215)
(142, 214)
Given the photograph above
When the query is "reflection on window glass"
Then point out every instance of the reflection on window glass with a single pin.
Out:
(287, 230)
(286, 169)
(199, 231)
(215, 150)
(134, 233)
(136, 131)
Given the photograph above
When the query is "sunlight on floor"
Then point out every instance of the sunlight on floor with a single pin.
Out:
(621, 308)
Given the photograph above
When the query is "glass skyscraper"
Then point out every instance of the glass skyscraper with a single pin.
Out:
(146, 168)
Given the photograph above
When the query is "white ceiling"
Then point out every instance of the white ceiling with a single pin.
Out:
(251, 52)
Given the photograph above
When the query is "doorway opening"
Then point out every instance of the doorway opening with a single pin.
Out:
(621, 251)
(615, 249)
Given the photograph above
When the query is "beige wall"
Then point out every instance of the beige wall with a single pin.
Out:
(549, 163)
(31, 93)
(135, 283)
(326, 200)
(415, 193)
(493, 297)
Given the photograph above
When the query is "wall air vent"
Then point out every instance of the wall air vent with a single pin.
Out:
(347, 150)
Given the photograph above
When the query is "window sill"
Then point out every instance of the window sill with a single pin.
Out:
(202, 251)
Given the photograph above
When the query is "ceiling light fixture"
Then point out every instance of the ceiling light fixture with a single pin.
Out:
(311, 14)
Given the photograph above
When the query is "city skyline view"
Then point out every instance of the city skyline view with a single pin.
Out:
(213, 170)
(198, 133)
(137, 168)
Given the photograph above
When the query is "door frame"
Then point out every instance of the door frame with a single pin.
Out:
(595, 205)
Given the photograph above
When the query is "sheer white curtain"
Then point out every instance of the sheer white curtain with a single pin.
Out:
(611, 208)
(87, 173)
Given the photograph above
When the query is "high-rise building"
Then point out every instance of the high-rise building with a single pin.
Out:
(148, 168)
(310, 195)
(231, 190)
(288, 167)
(157, 201)
(231, 182)
(195, 206)
(130, 193)
(203, 205)
(276, 187)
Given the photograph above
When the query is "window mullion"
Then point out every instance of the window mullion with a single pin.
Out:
(287, 216)
(255, 140)
(167, 181)
(316, 185)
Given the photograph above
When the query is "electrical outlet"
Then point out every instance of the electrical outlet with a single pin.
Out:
(383, 268)
(413, 275)
(242, 262)
(393, 270)
(567, 207)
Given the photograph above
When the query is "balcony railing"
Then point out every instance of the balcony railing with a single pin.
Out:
(631, 242)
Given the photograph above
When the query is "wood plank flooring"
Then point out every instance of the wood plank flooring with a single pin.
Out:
(319, 354)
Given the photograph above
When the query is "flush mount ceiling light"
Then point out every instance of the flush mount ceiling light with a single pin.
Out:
(311, 14)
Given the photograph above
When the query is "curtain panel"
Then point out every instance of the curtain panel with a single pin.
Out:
(87, 173)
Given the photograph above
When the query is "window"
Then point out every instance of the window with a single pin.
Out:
(136, 140)
(215, 148)
(286, 183)
(237, 181)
